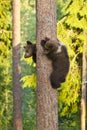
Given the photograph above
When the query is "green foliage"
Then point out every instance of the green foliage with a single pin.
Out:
(60, 5)
(29, 94)
(77, 14)
(29, 80)
(5, 21)
(28, 32)
(5, 65)
(28, 20)
(68, 128)
(71, 30)
(29, 105)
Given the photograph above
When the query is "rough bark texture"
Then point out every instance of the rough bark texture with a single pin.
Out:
(17, 114)
(84, 84)
(47, 112)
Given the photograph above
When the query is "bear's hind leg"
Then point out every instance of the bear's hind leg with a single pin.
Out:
(62, 79)
(54, 82)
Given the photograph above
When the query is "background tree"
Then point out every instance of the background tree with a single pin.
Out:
(28, 20)
(17, 113)
(47, 115)
(84, 82)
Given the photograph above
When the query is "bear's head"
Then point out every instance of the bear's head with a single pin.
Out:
(28, 49)
(49, 45)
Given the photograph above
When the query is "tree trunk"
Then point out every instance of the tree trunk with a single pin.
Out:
(84, 82)
(47, 98)
(17, 114)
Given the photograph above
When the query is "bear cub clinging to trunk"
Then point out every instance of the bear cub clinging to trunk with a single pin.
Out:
(57, 53)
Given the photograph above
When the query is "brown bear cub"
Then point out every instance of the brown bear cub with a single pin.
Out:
(57, 53)
(30, 50)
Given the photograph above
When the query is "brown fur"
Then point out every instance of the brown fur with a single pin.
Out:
(30, 50)
(56, 52)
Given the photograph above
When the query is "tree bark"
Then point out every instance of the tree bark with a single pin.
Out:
(47, 98)
(84, 84)
(17, 114)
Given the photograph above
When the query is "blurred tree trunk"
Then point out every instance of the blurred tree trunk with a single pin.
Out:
(17, 114)
(47, 98)
(84, 84)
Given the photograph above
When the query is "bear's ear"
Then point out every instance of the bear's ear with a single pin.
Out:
(43, 42)
(47, 39)
(29, 43)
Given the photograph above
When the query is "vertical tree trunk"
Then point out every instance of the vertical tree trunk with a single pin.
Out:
(47, 112)
(84, 82)
(17, 114)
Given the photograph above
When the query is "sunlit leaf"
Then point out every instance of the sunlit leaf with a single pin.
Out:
(29, 81)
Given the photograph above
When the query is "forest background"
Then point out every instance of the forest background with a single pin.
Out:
(71, 30)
